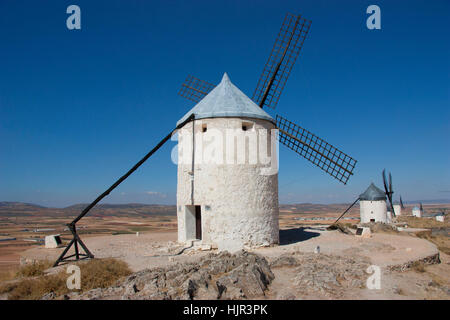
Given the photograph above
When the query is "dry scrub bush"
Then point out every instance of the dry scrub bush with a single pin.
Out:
(34, 289)
(418, 266)
(441, 241)
(415, 222)
(36, 268)
(102, 273)
(97, 273)
(6, 275)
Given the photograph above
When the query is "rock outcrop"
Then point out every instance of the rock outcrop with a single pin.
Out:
(324, 274)
(242, 275)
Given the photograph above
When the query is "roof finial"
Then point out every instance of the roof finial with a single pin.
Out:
(225, 78)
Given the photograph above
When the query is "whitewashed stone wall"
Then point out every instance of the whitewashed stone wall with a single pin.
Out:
(397, 210)
(373, 210)
(239, 205)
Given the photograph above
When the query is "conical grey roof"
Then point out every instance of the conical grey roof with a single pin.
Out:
(372, 194)
(225, 101)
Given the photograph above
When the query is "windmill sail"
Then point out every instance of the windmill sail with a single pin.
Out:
(195, 89)
(276, 71)
(267, 93)
(388, 190)
(316, 150)
(281, 60)
(401, 203)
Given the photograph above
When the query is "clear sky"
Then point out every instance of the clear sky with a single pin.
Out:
(79, 107)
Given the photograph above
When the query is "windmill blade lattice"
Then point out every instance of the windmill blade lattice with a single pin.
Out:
(316, 150)
(195, 89)
(281, 60)
(270, 85)
(388, 190)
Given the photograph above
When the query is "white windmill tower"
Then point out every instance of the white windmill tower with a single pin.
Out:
(398, 206)
(226, 197)
(225, 215)
(372, 204)
(418, 211)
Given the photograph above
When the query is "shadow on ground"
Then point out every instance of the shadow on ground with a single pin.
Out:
(295, 235)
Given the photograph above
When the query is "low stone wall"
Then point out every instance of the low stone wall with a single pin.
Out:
(432, 259)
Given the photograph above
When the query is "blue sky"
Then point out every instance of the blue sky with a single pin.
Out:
(79, 108)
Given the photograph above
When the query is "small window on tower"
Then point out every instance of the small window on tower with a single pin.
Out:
(246, 126)
(204, 127)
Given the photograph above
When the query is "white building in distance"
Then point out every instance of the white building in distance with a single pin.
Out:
(397, 209)
(416, 212)
(53, 241)
(227, 194)
(372, 205)
(440, 217)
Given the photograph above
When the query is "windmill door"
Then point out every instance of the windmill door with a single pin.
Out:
(198, 222)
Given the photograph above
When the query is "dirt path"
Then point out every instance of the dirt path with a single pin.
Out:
(382, 249)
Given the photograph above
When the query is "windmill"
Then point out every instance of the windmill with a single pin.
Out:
(373, 203)
(276, 71)
(267, 93)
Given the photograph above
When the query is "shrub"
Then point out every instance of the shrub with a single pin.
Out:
(36, 268)
(97, 273)
(33, 289)
(102, 273)
(418, 266)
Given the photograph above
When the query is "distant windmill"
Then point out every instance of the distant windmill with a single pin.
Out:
(373, 203)
(191, 222)
(416, 211)
(422, 211)
(397, 208)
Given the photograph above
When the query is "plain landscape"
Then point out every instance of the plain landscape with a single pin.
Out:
(141, 240)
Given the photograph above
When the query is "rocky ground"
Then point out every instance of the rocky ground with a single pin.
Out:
(242, 275)
(321, 274)
(291, 276)
(411, 268)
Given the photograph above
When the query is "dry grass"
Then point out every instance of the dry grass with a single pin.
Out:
(36, 268)
(7, 275)
(441, 241)
(102, 273)
(381, 228)
(339, 226)
(35, 288)
(97, 273)
(414, 222)
(418, 267)
(401, 292)
(438, 281)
